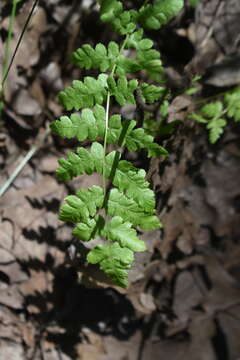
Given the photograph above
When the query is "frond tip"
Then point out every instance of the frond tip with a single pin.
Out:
(153, 16)
(114, 260)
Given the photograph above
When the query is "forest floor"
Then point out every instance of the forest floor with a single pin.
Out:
(183, 301)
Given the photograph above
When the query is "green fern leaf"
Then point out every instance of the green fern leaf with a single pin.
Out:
(216, 127)
(82, 126)
(114, 261)
(149, 60)
(134, 139)
(85, 94)
(117, 128)
(138, 139)
(110, 9)
(212, 110)
(99, 58)
(89, 229)
(199, 118)
(82, 162)
(124, 24)
(210, 114)
(122, 89)
(123, 233)
(104, 58)
(86, 231)
(151, 93)
(129, 210)
(130, 180)
(90, 124)
(83, 205)
(123, 21)
(146, 58)
(127, 177)
(135, 39)
(232, 100)
(158, 14)
(125, 65)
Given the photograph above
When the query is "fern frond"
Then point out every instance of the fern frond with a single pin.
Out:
(232, 101)
(151, 93)
(132, 181)
(99, 58)
(153, 16)
(82, 210)
(122, 89)
(104, 59)
(123, 233)
(90, 124)
(139, 139)
(114, 260)
(83, 205)
(129, 210)
(85, 93)
(149, 60)
(89, 229)
(81, 162)
(146, 57)
(216, 127)
(82, 126)
(123, 21)
(129, 201)
(136, 41)
(110, 9)
(126, 176)
(211, 115)
(92, 91)
(212, 110)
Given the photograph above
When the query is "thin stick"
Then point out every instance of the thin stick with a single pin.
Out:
(9, 37)
(24, 161)
(18, 43)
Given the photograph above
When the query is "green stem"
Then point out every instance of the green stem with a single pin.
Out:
(107, 121)
(105, 143)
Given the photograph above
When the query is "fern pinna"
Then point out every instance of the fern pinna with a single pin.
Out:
(126, 199)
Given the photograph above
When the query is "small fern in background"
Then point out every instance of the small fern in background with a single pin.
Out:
(214, 114)
(124, 202)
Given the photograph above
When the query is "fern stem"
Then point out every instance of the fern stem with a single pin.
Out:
(105, 142)
(107, 121)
